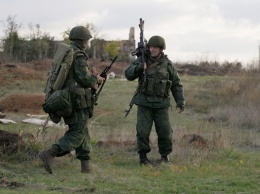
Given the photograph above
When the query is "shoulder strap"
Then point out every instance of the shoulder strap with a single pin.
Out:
(78, 53)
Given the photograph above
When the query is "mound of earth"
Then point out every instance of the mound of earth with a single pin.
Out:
(24, 71)
(38, 70)
(9, 142)
(24, 103)
(10, 73)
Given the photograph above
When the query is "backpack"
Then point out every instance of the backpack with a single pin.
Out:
(57, 101)
(59, 69)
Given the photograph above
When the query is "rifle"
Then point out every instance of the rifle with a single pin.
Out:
(130, 105)
(141, 50)
(104, 75)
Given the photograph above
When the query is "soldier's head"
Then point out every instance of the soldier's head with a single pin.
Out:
(80, 34)
(156, 45)
(157, 41)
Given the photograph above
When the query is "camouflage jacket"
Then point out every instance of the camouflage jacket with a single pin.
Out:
(79, 79)
(145, 99)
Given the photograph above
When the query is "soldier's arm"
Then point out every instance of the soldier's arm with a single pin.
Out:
(177, 87)
(82, 74)
(134, 70)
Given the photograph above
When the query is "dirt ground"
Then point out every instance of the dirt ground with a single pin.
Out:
(31, 103)
(23, 71)
(23, 103)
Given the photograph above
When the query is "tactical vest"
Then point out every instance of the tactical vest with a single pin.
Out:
(81, 95)
(157, 80)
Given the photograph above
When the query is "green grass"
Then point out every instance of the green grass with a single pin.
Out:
(117, 171)
(232, 166)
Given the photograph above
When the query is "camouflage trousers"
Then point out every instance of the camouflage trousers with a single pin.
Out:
(145, 118)
(76, 137)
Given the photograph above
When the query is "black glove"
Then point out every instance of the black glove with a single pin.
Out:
(139, 68)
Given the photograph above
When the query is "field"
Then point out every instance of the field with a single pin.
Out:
(222, 110)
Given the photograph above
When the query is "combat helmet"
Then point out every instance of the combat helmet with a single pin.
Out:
(157, 41)
(79, 33)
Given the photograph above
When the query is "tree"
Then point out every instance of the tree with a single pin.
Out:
(66, 35)
(39, 43)
(112, 48)
(36, 45)
(95, 43)
(11, 41)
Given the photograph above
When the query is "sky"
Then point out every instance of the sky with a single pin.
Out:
(194, 30)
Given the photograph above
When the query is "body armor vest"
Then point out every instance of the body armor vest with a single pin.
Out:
(157, 80)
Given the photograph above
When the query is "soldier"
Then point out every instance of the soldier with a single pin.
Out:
(153, 98)
(79, 82)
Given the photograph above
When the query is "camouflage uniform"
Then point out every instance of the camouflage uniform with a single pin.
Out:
(153, 101)
(79, 79)
(79, 83)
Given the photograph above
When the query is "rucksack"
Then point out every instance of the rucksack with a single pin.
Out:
(57, 101)
(59, 69)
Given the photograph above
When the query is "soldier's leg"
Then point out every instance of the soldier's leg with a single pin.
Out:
(83, 151)
(164, 132)
(143, 128)
(74, 137)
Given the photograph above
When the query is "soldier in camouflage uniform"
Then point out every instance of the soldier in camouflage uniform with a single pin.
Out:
(153, 98)
(79, 82)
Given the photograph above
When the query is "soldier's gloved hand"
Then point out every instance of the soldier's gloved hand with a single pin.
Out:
(139, 68)
(181, 107)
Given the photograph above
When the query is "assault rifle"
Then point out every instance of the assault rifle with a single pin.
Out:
(130, 105)
(141, 50)
(104, 75)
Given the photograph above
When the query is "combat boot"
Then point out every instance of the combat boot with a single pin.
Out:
(85, 166)
(145, 161)
(164, 159)
(47, 157)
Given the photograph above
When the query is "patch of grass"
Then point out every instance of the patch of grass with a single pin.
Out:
(118, 171)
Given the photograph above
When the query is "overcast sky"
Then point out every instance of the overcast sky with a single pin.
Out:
(193, 29)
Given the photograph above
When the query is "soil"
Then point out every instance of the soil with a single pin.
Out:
(23, 71)
(24, 103)
(37, 70)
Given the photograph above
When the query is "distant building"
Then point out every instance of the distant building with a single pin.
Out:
(97, 47)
